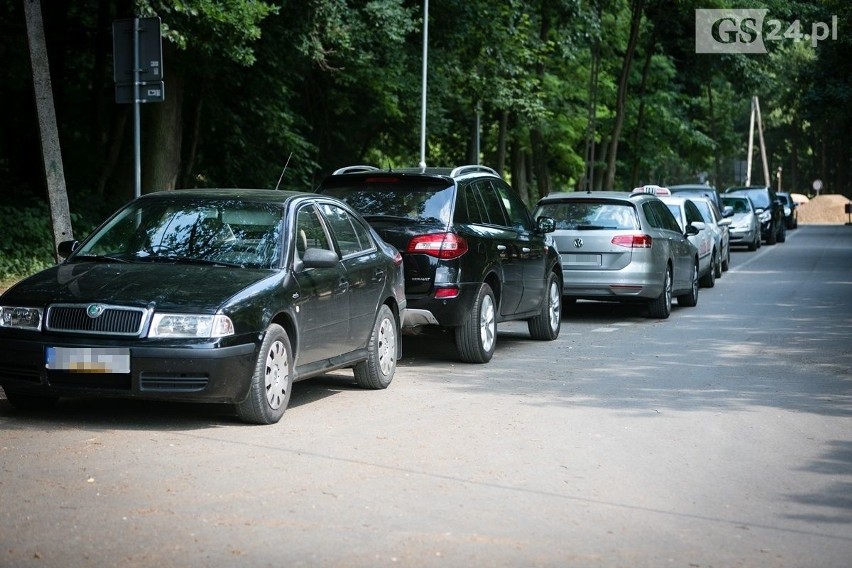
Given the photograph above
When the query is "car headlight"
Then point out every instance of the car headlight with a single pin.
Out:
(190, 325)
(21, 317)
(787, 211)
(765, 216)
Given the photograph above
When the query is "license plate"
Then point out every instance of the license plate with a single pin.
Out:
(88, 359)
(584, 259)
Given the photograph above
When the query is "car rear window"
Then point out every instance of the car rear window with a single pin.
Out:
(591, 215)
(398, 198)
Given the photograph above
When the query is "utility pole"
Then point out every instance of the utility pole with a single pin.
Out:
(60, 215)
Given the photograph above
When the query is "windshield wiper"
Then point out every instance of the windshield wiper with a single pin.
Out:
(99, 258)
(189, 260)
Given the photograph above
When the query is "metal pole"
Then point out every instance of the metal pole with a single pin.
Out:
(423, 96)
(750, 145)
(137, 161)
(766, 179)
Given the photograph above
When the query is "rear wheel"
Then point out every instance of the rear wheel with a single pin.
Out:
(709, 279)
(272, 381)
(690, 299)
(773, 234)
(726, 263)
(376, 372)
(545, 325)
(661, 307)
(477, 337)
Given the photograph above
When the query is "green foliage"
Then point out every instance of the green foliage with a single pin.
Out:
(27, 243)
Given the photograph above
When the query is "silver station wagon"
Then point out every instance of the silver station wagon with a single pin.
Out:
(624, 247)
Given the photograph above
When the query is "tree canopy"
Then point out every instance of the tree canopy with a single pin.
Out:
(556, 94)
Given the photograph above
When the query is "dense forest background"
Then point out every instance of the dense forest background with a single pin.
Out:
(557, 95)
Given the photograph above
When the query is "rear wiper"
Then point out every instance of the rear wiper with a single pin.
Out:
(593, 227)
(389, 218)
(99, 258)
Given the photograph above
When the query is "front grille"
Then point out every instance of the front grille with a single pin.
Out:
(97, 381)
(172, 382)
(109, 320)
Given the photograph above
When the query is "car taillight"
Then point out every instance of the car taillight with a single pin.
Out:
(632, 241)
(445, 293)
(440, 245)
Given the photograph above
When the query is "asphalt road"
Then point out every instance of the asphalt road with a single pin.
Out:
(720, 437)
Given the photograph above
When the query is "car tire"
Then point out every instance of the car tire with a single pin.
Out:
(773, 234)
(477, 337)
(718, 266)
(782, 234)
(690, 299)
(545, 326)
(376, 372)
(272, 380)
(709, 279)
(755, 244)
(30, 402)
(726, 263)
(661, 307)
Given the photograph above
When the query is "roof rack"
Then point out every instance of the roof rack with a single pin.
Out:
(472, 169)
(355, 169)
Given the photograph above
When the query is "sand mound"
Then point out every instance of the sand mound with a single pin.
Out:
(824, 210)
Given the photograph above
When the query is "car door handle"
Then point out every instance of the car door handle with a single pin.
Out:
(501, 248)
(378, 275)
(525, 250)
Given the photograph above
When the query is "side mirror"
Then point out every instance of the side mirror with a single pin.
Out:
(319, 258)
(691, 230)
(699, 225)
(65, 248)
(725, 222)
(727, 211)
(545, 225)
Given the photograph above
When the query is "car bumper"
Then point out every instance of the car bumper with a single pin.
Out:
(743, 237)
(206, 372)
(612, 285)
(447, 312)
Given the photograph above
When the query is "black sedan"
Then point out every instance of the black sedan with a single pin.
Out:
(221, 296)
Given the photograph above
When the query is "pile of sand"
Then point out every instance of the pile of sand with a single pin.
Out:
(824, 210)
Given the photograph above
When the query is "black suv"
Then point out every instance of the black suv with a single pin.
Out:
(473, 255)
(769, 210)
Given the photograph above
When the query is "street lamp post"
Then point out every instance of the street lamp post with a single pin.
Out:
(423, 95)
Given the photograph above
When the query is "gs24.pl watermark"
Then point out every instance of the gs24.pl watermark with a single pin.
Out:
(745, 30)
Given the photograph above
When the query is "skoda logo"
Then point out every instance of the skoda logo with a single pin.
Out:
(578, 243)
(94, 310)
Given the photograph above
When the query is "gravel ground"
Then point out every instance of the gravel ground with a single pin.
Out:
(824, 210)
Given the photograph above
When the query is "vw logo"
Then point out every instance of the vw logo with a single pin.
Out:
(578, 243)
(94, 310)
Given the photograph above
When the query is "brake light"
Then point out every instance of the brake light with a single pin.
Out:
(446, 246)
(632, 241)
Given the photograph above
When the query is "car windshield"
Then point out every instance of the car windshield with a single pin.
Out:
(590, 215)
(226, 231)
(739, 204)
(759, 197)
(398, 200)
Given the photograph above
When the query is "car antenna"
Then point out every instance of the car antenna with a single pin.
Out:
(284, 170)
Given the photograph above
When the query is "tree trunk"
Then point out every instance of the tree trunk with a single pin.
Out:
(539, 162)
(621, 103)
(640, 116)
(164, 136)
(501, 143)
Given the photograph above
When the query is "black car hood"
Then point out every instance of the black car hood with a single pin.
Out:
(166, 286)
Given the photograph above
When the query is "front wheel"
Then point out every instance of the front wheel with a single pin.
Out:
(272, 381)
(709, 279)
(377, 371)
(477, 337)
(546, 324)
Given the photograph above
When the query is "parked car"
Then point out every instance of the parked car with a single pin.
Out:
(687, 215)
(791, 213)
(222, 296)
(721, 235)
(693, 189)
(744, 228)
(622, 247)
(473, 254)
(770, 211)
